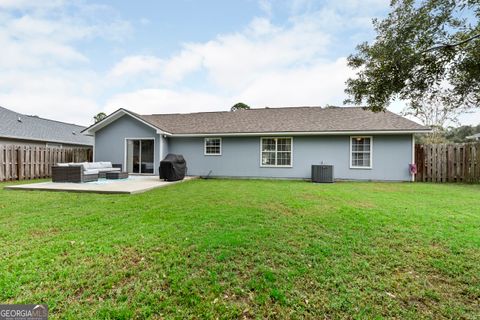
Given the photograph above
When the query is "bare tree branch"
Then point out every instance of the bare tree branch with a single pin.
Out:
(451, 45)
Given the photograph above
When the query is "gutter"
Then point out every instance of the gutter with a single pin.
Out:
(298, 133)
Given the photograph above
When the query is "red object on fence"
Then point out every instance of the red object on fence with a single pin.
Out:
(413, 168)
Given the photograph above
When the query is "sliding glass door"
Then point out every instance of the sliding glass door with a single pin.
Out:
(140, 155)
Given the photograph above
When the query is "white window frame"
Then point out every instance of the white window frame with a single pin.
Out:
(371, 152)
(205, 146)
(276, 151)
(154, 154)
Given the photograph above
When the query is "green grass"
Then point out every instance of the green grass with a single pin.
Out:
(246, 249)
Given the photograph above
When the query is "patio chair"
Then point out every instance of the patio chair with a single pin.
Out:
(73, 173)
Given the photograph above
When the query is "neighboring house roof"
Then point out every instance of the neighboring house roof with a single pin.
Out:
(273, 120)
(475, 136)
(20, 126)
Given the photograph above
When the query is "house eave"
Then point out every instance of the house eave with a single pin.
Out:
(299, 133)
(117, 115)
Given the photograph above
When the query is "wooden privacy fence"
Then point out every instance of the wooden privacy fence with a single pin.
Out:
(458, 162)
(26, 162)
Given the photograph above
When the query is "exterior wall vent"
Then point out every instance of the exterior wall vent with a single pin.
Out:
(322, 173)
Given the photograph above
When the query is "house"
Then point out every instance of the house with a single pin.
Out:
(25, 130)
(267, 143)
(475, 137)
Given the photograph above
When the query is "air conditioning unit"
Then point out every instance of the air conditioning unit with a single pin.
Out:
(322, 173)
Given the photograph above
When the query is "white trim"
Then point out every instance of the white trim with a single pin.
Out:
(205, 147)
(125, 154)
(93, 149)
(371, 152)
(277, 166)
(413, 155)
(160, 143)
(117, 115)
(299, 133)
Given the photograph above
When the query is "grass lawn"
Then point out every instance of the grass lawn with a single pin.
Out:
(246, 249)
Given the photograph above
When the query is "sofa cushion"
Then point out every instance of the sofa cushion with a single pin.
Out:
(89, 165)
(107, 169)
(90, 171)
(62, 164)
(105, 164)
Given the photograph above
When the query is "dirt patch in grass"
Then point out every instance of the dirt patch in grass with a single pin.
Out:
(278, 208)
(41, 233)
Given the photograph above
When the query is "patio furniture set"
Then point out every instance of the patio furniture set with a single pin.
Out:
(87, 171)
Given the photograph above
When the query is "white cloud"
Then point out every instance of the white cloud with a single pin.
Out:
(42, 71)
(320, 83)
(262, 65)
(471, 118)
(266, 6)
(57, 94)
(28, 4)
(232, 61)
(148, 101)
(132, 65)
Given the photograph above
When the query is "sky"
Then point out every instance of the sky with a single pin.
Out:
(69, 60)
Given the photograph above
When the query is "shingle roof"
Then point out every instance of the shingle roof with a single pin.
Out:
(291, 119)
(35, 128)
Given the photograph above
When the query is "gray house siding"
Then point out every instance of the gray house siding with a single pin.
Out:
(241, 157)
(164, 147)
(35, 143)
(110, 140)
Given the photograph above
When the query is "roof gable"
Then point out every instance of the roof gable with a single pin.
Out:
(117, 115)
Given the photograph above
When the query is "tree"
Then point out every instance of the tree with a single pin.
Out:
(421, 47)
(239, 106)
(460, 134)
(436, 111)
(99, 117)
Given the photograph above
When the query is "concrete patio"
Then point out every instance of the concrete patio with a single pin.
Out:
(132, 185)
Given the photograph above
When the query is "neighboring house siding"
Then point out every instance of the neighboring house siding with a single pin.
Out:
(241, 157)
(110, 141)
(34, 143)
(19, 142)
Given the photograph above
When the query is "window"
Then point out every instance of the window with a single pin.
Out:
(276, 152)
(213, 146)
(361, 152)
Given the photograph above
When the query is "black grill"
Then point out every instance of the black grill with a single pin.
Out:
(173, 167)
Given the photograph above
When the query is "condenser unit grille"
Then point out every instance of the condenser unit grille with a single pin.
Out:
(322, 173)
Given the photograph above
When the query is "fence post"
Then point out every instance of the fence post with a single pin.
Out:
(2, 163)
(477, 162)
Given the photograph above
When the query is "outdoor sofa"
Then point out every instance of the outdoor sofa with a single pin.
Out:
(83, 171)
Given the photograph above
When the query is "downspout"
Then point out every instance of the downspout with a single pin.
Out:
(413, 155)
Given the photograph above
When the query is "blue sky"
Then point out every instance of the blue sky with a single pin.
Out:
(69, 60)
